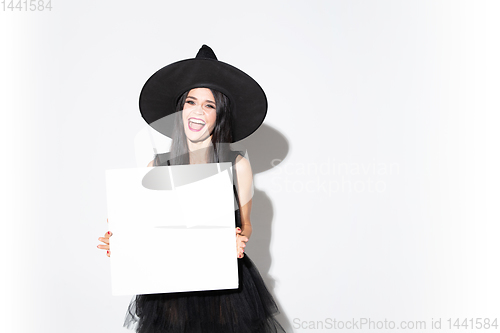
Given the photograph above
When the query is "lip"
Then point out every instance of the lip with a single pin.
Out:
(196, 130)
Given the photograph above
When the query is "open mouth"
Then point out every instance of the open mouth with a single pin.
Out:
(196, 124)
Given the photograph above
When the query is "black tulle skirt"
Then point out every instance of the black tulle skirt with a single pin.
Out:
(248, 309)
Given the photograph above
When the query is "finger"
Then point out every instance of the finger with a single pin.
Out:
(108, 234)
(109, 253)
(238, 230)
(107, 220)
(104, 240)
(242, 239)
(103, 247)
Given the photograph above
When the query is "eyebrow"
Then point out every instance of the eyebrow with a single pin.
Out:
(209, 101)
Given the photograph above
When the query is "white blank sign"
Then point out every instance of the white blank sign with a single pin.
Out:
(169, 238)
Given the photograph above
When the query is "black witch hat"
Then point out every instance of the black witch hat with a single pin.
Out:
(162, 90)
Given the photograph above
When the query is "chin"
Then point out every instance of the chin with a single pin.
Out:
(196, 138)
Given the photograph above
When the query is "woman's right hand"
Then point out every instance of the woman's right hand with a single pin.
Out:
(241, 243)
(105, 240)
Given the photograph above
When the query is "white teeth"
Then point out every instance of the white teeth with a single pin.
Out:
(197, 121)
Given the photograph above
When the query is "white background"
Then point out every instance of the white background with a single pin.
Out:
(357, 87)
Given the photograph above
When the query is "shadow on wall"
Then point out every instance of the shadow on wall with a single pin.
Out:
(265, 145)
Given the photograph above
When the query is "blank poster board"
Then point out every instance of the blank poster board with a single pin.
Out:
(173, 229)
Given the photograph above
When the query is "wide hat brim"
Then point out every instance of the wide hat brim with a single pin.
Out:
(162, 90)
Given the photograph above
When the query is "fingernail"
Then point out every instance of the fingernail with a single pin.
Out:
(109, 233)
(108, 251)
(97, 246)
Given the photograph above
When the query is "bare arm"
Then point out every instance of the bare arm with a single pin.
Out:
(245, 193)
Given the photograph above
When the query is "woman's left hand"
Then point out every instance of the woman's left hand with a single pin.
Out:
(241, 242)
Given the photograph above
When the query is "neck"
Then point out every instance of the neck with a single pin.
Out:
(198, 151)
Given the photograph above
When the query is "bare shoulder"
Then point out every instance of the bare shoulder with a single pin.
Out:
(243, 167)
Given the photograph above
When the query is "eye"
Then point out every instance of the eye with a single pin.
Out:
(210, 106)
(190, 102)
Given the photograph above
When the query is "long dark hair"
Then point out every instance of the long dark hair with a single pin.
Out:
(221, 134)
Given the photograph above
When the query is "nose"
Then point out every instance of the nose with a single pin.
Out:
(198, 110)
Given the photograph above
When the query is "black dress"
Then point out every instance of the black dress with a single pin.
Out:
(248, 309)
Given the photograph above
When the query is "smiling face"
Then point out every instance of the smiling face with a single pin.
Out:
(199, 115)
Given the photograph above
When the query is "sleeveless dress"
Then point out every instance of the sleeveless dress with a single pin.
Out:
(248, 309)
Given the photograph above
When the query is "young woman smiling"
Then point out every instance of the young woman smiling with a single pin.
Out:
(204, 121)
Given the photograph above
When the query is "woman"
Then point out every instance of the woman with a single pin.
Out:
(184, 101)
